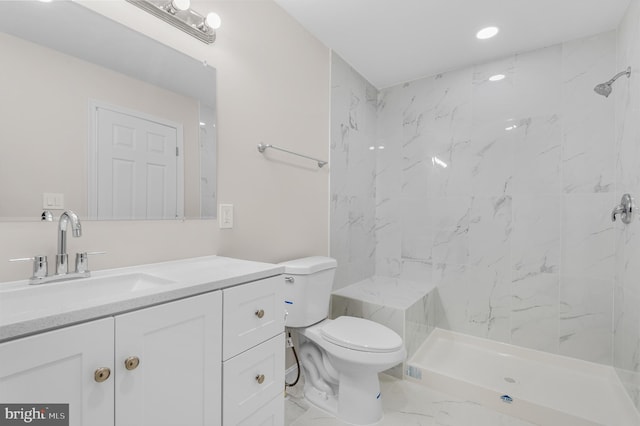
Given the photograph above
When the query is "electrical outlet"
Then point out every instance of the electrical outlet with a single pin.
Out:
(226, 216)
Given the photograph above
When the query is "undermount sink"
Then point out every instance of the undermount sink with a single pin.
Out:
(29, 300)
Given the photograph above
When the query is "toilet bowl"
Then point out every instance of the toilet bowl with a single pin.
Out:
(340, 358)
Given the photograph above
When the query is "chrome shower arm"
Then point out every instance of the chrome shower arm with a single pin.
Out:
(626, 72)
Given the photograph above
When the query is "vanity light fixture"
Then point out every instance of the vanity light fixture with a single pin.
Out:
(179, 14)
(497, 77)
(487, 32)
(177, 5)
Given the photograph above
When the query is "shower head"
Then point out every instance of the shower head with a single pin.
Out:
(604, 89)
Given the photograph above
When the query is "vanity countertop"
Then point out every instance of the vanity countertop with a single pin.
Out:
(184, 278)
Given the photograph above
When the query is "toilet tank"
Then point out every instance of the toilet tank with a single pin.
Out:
(308, 285)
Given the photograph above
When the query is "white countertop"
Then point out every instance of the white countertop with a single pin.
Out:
(191, 276)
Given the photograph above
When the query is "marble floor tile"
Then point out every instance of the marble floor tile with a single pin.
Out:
(406, 403)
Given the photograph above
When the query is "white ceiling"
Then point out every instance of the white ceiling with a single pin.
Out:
(394, 41)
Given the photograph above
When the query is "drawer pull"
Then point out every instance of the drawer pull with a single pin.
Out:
(260, 378)
(131, 363)
(260, 313)
(102, 374)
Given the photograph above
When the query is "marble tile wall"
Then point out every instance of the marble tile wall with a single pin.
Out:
(626, 95)
(353, 164)
(500, 194)
(505, 190)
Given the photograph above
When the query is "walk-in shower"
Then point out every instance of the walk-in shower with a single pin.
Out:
(604, 89)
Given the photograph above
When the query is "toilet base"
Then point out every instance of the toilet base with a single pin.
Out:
(341, 380)
(358, 402)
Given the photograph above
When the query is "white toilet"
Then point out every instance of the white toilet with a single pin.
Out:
(340, 358)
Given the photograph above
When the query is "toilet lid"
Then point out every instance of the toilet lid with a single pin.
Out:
(361, 335)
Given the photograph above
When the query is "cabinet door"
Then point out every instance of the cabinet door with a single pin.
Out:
(58, 367)
(178, 377)
(253, 313)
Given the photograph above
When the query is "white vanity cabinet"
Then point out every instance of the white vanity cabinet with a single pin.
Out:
(59, 367)
(207, 350)
(165, 369)
(253, 353)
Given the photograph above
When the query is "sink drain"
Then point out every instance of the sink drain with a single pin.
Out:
(509, 380)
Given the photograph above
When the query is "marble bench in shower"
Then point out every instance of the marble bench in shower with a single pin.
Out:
(406, 307)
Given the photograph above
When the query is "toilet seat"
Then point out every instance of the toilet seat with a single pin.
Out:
(361, 335)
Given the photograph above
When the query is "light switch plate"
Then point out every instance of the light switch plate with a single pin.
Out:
(52, 201)
(226, 216)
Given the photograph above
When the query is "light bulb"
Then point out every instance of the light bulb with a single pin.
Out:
(213, 20)
(181, 4)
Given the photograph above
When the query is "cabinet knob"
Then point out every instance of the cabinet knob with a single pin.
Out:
(260, 378)
(260, 313)
(131, 363)
(102, 374)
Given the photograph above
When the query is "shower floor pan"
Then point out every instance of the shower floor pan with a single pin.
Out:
(537, 387)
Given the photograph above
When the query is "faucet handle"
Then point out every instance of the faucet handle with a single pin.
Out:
(82, 260)
(40, 266)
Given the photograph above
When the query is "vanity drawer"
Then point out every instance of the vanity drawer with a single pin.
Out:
(253, 313)
(271, 414)
(251, 380)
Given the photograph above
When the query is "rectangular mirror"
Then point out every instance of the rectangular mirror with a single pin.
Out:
(101, 119)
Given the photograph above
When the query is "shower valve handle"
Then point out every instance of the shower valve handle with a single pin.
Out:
(624, 209)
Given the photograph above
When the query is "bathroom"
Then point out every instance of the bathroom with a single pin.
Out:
(557, 275)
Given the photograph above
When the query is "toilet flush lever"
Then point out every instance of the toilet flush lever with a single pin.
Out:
(624, 210)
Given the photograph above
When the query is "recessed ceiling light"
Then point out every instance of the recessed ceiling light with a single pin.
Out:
(486, 33)
(497, 77)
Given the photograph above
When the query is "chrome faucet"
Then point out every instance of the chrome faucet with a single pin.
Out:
(40, 266)
(62, 258)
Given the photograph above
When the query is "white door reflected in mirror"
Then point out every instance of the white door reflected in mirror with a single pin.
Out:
(136, 167)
